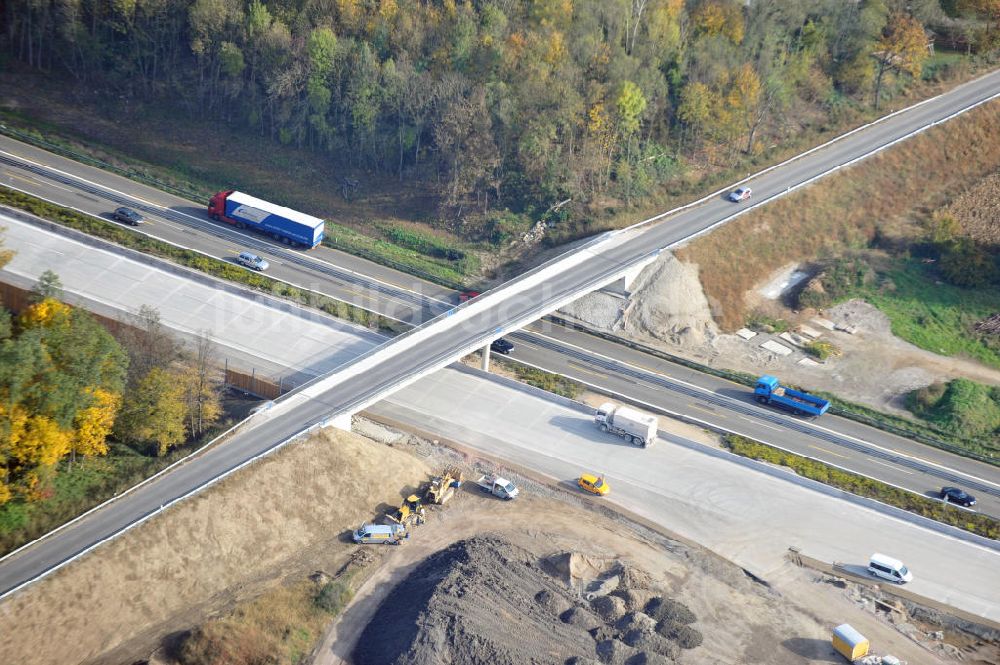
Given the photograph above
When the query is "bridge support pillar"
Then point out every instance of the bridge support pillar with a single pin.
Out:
(343, 422)
(629, 278)
(485, 366)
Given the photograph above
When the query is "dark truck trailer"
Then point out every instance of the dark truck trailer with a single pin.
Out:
(283, 224)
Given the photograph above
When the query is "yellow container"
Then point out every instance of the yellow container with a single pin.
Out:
(849, 643)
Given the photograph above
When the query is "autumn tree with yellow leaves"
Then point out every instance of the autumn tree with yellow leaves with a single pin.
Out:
(902, 48)
(61, 377)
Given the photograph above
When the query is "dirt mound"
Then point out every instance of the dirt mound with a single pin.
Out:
(480, 600)
(667, 303)
(635, 599)
(614, 652)
(609, 608)
(579, 616)
(665, 609)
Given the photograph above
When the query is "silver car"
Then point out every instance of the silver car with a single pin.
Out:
(252, 261)
(740, 194)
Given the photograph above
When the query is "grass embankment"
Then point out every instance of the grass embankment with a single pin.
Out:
(408, 251)
(977, 523)
(281, 626)
(79, 487)
(929, 313)
(217, 268)
(965, 408)
(845, 210)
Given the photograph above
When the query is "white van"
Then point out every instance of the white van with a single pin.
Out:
(888, 568)
(390, 534)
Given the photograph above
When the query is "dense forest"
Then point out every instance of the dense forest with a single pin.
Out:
(507, 104)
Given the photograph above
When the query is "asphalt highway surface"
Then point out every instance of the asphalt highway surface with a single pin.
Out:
(488, 316)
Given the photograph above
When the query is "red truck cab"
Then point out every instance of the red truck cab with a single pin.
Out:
(217, 207)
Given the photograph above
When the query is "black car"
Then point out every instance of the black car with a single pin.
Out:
(956, 495)
(127, 216)
(501, 346)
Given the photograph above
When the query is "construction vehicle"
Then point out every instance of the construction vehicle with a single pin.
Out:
(443, 487)
(633, 426)
(411, 511)
(497, 486)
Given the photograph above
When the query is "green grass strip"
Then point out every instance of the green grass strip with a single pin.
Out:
(977, 523)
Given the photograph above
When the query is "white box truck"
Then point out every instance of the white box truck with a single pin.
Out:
(631, 425)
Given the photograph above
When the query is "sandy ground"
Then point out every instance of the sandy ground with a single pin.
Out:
(285, 515)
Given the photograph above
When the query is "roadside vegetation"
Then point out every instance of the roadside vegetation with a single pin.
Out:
(547, 381)
(965, 408)
(940, 511)
(91, 409)
(924, 306)
(281, 626)
(217, 268)
(474, 120)
(870, 206)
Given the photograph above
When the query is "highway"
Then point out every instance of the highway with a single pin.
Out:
(744, 511)
(259, 339)
(689, 488)
(586, 358)
(487, 316)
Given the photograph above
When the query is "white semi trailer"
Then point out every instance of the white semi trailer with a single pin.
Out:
(627, 423)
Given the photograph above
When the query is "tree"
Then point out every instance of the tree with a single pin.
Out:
(93, 424)
(45, 313)
(202, 388)
(148, 343)
(155, 411)
(987, 11)
(903, 48)
(322, 49)
(48, 286)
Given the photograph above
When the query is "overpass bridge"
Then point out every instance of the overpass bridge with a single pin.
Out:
(330, 400)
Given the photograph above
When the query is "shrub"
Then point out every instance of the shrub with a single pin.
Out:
(961, 406)
(333, 596)
(821, 349)
(765, 323)
(553, 383)
(502, 226)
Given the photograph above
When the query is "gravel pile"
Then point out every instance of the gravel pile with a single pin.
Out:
(484, 600)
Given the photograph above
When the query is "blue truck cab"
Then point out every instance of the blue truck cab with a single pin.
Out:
(770, 391)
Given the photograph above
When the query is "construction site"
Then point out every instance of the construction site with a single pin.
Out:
(480, 568)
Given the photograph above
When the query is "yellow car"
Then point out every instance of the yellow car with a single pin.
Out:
(594, 484)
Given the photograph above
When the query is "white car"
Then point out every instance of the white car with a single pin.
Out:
(739, 194)
(252, 261)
